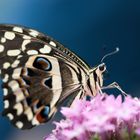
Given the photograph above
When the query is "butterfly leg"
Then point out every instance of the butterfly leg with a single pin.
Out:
(99, 89)
(115, 85)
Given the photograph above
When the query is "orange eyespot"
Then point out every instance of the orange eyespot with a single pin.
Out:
(42, 116)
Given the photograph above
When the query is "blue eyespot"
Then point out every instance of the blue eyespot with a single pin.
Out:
(45, 112)
(42, 63)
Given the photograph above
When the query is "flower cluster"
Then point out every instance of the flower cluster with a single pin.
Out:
(104, 117)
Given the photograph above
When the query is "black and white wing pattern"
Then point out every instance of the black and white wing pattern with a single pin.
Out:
(38, 73)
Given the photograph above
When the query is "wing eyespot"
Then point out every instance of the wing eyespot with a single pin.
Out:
(43, 114)
(42, 64)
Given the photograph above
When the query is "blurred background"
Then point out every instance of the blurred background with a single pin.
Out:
(91, 28)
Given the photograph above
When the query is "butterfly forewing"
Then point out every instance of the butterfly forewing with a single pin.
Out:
(31, 33)
(38, 73)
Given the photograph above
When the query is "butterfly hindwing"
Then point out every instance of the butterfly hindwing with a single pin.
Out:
(36, 75)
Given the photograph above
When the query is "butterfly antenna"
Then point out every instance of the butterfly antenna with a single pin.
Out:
(111, 53)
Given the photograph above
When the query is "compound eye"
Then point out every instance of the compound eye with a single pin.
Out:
(102, 67)
(42, 63)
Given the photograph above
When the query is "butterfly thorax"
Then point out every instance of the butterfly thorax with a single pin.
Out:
(95, 79)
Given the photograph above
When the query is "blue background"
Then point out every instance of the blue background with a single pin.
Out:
(90, 28)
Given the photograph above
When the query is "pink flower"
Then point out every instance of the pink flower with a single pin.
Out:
(138, 131)
(104, 117)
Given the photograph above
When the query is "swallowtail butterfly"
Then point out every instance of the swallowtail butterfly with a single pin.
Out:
(39, 73)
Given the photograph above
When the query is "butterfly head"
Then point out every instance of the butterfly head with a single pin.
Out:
(96, 74)
(102, 67)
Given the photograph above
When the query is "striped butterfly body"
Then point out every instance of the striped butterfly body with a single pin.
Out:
(38, 74)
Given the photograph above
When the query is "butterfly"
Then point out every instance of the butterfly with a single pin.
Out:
(39, 74)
